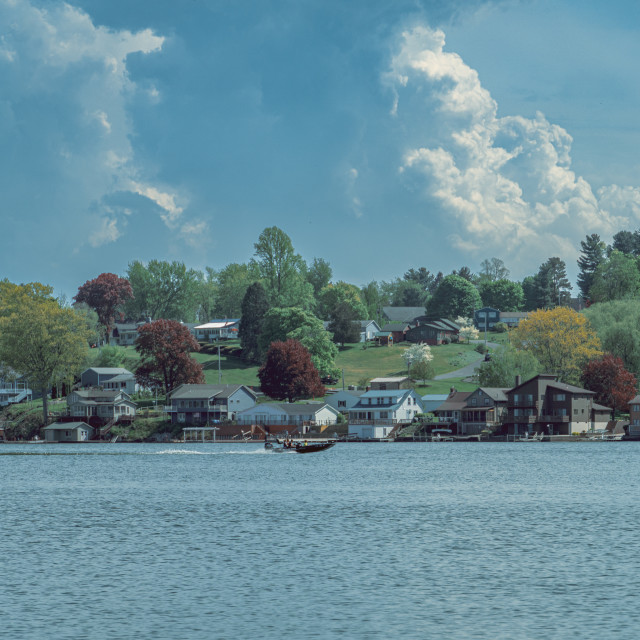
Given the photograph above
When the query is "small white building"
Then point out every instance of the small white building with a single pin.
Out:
(304, 415)
(217, 330)
(379, 411)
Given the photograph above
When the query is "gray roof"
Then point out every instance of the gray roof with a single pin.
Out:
(497, 394)
(122, 377)
(66, 425)
(570, 388)
(296, 409)
(402, 314)
(600, 407)
(395, 326)
(108, 370)
(207, 391)
(92, 394)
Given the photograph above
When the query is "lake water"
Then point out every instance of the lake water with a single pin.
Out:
(433, 540)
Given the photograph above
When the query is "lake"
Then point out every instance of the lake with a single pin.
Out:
(429, 540)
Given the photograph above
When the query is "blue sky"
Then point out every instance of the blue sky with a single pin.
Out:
(380, 136)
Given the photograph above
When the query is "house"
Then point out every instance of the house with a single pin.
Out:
(433, 331)
(368, 330)
(217, 330)
(431, 401)
(98, 406)
(202, 403)
(384, 384)
(125, 333)
(301, 415)
(112, 378)
(68, 432)
(378, 412)
(485, 319)
(402, 314)
(450, 411)
(485, 408)
(513, 318)
(544, 405)
(343, 400)
(634, 417)
(13, 389)
(398, 330)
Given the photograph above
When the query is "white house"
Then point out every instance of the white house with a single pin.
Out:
(378, 411)
(305, 415)
(217, 330)
(13, 389)
(344, 400)
(368, 330)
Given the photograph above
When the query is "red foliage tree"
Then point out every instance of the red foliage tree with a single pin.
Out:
(613, 384)
(164, 347)
(288, 373)
(105, 294)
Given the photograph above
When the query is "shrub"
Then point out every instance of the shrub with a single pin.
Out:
(500, 327)
(481, 347)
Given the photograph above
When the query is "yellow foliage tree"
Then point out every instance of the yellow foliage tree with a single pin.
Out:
(561, 339)
(38, 338)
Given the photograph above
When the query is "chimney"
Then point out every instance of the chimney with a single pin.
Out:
(452, 391)
(518, 380)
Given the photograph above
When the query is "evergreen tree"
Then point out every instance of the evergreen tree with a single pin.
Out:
(552, 284)
(627, 242)
(592, 254)
(254, 307)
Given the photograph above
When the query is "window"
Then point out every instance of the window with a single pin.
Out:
(487, 402)
(342, 403)
(575, 412)
(559, 397)
(474, 402)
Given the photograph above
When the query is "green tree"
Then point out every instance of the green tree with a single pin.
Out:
(162, 289)
(372, 299)
(40, 340)
(492, 269)
(627, 242)
(319, 274)
(111, 356)
(615, 278)
(341, 292)
(506, 363)
(321, 347)
(552, 284)
(501, 294)
(530, 291)
(422, 370)
(422, 277)
(232, 284)
(592, 254)
(454, 297)
(282, 270)
(207, 295)
(343, 323)
(254, 307)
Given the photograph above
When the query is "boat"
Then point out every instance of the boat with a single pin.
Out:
(298, 447)
(534, 438)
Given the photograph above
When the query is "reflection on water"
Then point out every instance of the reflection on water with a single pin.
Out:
(361, 541)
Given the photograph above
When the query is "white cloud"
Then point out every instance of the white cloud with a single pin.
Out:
(506, 181)
(195, 234)
(108, 232)
(166, 201)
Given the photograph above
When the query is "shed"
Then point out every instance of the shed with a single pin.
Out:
(68, 432)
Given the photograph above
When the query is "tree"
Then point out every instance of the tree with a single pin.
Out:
(469, 333)
(561, 340)
(343, 323)
(505, 364)
(454, 297)
(254, 307)
(40, 340)
(422, 277)
(501, 294)
(321, 348)
(627, 242)
(165, 290)
(319, 274)
(232, 284)
(105, 294)
(288, 373)
(408, 293)
(615, 278)
(372, 299)
(164, 347)
(111, 356)
(615, 387)
(342, 292)
(422, 370)
(553, 287)
(282, 270)
(492, 270)
(466, 273)
(419, 352)
(530, 291)
(592, 254)
(207, 295)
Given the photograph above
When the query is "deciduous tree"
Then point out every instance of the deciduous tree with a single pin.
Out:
(164, 347)
(615, 278)
(454, 297)
(422, 370)
(343, 323)
(419, 352)
(105, 294)
(561, 340)
(493, 269)
(319, 274)
(341, 292)
(506, 363)
(614, 386)
(288, 373)
(501, 294)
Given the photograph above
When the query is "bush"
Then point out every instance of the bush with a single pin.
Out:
(481, 347)
(500, 327)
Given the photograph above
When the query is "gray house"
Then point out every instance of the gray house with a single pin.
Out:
(98, 403)
(112, 378)
(202, 403)
(343, 400)
(68, 432)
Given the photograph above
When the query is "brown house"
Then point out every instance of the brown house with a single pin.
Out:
(545, 406)
(486, 407)
(433, 331)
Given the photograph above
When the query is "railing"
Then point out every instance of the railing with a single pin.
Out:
(379, 422)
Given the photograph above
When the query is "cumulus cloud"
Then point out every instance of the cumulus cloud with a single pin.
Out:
(506, 182)
(65, 121)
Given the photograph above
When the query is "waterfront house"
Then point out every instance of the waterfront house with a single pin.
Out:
(98, 406)
(304, 416)
(431, 401)
(544, 405)
(634, 417)
(379, 411)
(343, 400)
(202, 403)
(485, 409)
(13, 389)
(68, 432)
(450, 411)
(217, 330)
(111, 378)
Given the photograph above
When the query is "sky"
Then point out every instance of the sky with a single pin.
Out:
(379, 136)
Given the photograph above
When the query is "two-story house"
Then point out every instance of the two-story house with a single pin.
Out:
(97, 406)
(303, 415)
(450, 411)
(202, 403)
(345, 399)
(378, 411)
(485, 408)
(433, 331)
(485, 318)
(112, 378)
(545, 406)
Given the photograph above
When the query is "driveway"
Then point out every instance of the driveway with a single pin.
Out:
(468, 370)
